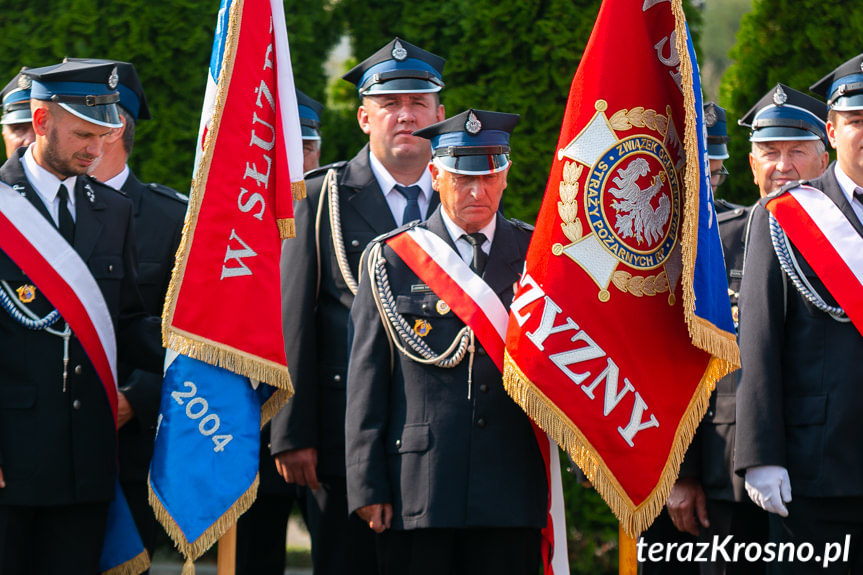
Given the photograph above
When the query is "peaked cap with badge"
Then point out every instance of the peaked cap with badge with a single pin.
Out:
(783, 113)
(310, 116)
(16, 100)
(843, 87)
(475, 142)
(717, 134)
(398, 68)
(85, 88)
(132, 97)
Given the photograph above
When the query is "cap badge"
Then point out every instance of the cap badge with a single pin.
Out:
(399, 53)
(26, 293)
(779, 96)
(473, 125)
(710, 116)
(113, 79)
(25, 82)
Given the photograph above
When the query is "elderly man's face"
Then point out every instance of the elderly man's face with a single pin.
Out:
(777, 163)
(311, 154)
(470, 201)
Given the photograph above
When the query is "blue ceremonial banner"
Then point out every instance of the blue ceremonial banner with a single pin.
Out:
(122, 550)
(710, 305)
(223, 312)
(206, 454)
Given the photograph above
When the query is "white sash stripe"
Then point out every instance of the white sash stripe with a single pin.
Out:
(66, 262)
(461, 273)
(834, 225)
(291, 131)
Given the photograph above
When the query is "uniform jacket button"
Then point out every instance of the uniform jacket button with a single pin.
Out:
(355, 243)
(398, 442)
(110, 267)
(79, 370)
(76, 405)
(337, 377)
(480, 422)
(483, 387)
(481, 351)
(709, 413)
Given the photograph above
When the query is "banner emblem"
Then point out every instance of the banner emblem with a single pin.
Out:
(632, 202)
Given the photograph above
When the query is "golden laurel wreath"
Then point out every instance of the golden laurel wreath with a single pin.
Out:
(567, 207)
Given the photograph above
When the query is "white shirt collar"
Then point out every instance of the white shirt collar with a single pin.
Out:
(44, 182)
(846, 183)
(387, 182)
(118, 181)
(456, 232)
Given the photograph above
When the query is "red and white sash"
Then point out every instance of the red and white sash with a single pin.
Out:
(477, 305)
(829, 243)
(62, 276)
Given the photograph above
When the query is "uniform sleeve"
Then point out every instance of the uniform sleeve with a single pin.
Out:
(295, 426)
(368, 398)
(760, 437)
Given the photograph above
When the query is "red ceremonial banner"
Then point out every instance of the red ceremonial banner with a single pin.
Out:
(599, 353)
(224, 304)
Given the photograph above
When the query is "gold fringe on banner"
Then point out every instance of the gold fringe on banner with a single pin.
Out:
(194, 549)
(287, 229)
(134, 566)
(274, 404)
(633, 518)
(298, 189)
(232, 359)
(704, 335)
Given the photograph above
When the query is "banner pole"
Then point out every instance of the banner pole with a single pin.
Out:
(627, 556)
(226, 561)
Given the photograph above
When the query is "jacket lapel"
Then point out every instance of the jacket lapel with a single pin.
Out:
(365, 196)
(833, 190)
(504, 264)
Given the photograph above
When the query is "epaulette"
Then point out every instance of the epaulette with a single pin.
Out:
(523, 225)
(397, 231)
(731, 214)
(168, 192)
(724, 205)
(313, 173)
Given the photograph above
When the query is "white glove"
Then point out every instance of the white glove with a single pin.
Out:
(769, 487)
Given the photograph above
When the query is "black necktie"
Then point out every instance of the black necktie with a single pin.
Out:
(858, 194)
(412, 209)
(66, 224)
(479, 257)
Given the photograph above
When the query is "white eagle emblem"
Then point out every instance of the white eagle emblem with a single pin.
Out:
(635, 214)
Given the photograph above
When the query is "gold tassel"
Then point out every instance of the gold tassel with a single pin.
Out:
(188, 567)
(298, 189)
(274, 404)
(287, 229)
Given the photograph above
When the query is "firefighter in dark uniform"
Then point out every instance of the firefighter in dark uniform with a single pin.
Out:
(17, 121)
(159, 214)
(386, 184)
(442, 464)
(262, 530)
(799, 408)
(708, 499)
(58, 447)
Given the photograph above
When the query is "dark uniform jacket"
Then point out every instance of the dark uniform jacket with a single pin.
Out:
(59, 448)
(316, 317)
(710, 457)
(414, 439)
(159, 214)
(800, 404)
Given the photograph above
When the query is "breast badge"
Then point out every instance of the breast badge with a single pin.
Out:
(631, 198)
(26, 293)
(422, 327)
